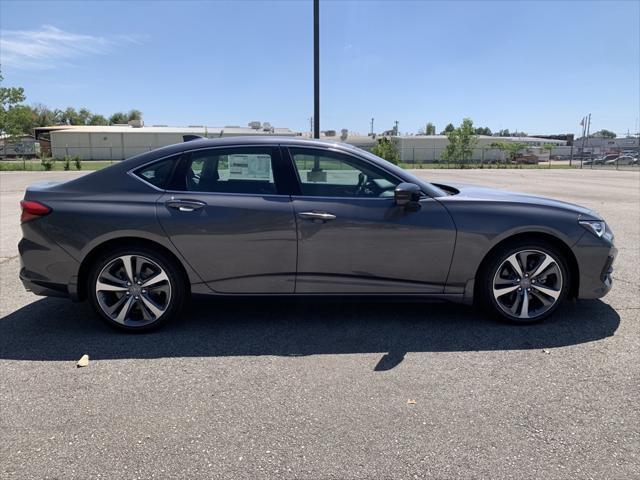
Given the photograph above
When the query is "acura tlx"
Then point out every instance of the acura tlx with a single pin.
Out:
(292, 217)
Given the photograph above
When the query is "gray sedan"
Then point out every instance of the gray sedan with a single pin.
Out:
(241, 217)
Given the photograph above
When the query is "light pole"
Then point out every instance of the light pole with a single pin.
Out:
(316, 68)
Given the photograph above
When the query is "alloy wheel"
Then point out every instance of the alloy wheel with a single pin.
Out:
(527, 284)
(133, 290)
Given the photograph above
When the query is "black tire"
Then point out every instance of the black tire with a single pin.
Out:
(175, 281)
(490, 273)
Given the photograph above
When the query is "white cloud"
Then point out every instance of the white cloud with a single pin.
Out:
(50, 47)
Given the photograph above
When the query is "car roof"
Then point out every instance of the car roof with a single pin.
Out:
(231, 141)
(264, 139)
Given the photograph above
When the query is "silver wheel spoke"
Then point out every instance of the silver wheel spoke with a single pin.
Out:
(516, 304)
(112, 308)
(160, 277)
(151, 305)
(524, 311)
(547, 291)
(122, 315)
(107, 287)
(546, 263)
(515, 264)
(498, 292)
(543, 298)
(139, 263)
(127, 262)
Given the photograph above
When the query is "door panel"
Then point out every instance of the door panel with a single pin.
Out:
(373, 246)
(236, 243)
(230, 220)
(353, 238)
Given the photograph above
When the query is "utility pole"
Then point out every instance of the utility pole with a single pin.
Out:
(372, 126)
(588, 129)
(316, 68)
(584, 131)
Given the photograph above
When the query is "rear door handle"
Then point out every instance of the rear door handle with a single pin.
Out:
(185, 205)
(321, 216)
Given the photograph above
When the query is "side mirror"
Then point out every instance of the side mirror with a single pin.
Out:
(407, 195)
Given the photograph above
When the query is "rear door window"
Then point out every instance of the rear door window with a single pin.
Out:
(242, 170)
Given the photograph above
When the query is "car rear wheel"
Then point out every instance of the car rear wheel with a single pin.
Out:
(135, 289)
(525, 282)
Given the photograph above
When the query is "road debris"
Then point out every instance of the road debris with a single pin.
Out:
(84, 361)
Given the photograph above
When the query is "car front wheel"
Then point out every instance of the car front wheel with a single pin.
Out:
(135, 289)
(525, 283)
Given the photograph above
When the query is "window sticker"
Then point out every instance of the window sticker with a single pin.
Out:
(250, 167)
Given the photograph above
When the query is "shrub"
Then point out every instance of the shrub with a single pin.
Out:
(47, 163)
(386, 149)
(67, 163)
(77, 160)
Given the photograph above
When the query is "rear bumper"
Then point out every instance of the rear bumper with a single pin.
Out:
(43, 288)
(596, 257)
(45, 268)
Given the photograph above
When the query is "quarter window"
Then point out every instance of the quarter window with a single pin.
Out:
(159, 173)
(330, 174)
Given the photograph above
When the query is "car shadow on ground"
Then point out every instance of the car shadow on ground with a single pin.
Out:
(56, 329)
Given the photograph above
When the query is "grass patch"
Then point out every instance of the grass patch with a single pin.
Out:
(58, 165)
(485, 166)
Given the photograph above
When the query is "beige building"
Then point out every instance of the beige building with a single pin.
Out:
(124, 141)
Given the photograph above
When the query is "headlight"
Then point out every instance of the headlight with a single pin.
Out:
(597, 227)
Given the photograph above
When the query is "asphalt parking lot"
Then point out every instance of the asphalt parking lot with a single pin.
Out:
(320, 389)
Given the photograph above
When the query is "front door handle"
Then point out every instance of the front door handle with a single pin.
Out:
(185, 205)
(321, 216)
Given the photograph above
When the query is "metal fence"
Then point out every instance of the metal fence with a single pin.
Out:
(487, 157)
(418, 157)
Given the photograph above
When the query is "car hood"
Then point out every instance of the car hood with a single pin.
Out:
(480, 193)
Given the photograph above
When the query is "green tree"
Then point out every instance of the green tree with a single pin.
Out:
(483, 131)
(43, 116)
(604, 133)
(98, 120)
(462, 141)
(430, 129)
(385, 148)
(118, 117)
(134, 115)
(12, 113)
(448, 129)
(549, 148)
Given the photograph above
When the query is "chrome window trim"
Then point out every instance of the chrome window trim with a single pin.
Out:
(131, 172)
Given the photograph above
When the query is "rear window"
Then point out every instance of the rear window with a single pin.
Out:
(158, 174)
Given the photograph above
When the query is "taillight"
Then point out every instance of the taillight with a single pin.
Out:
(32, 210)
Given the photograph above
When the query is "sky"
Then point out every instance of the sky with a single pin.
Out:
(536, 67)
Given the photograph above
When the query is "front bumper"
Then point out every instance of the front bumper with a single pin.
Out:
(595, 257)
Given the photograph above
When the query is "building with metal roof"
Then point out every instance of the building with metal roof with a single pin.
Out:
(117, 142)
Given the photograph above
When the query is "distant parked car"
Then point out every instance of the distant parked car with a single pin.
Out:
(527, 159)
(622, 160)
(601, 160)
